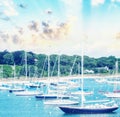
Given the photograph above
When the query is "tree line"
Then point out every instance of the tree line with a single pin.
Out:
(12, 64)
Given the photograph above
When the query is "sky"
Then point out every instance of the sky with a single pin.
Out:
(61, 26)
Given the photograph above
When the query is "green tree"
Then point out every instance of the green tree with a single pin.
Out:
(8, 59)
(31, 58)
(7, 71)
(19, 57)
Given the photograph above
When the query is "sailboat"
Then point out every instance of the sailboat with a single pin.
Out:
(15, 88)
(116, 93)
(4, 87)
(50, 94)
(27, 93)
(60, 101)
(88, 108)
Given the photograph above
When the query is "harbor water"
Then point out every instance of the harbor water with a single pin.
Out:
(28, 106)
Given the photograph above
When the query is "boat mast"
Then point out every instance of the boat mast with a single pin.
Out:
(48, 66)
(25, 64)
(14, 70)
(82, 80)
(116, 73)
(1, 71)
(58, 75)
(116, 67)
(48, 86)
(58, 66)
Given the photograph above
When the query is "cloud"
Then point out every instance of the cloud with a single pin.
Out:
(97, 2)
(114, 4)
(72, 7)
(8, 7)
(20, 30)
(5, 18)
(34, 26)
(117, 36)
(48, 11)
(45, 24)
(4, 36)
(22, 6)
(115, 0)
(55, 31)
(15, 39)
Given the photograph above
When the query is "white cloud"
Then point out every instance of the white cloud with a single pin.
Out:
(8, 7)
(97, 2)
(115, 0)
(72, 7)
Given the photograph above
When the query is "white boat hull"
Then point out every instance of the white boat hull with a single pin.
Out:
(88, 109)
(112, 95)
(27, 93)
(60, 102)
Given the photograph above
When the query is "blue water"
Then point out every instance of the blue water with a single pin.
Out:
(22, 106)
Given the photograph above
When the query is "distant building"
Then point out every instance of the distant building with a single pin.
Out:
(88, 71)
(103, 68)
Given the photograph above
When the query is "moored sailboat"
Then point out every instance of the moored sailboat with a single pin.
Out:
(51, 94)
(116, 92)
(59, 102)
(27, 93)
(61, 99)
(89, 108)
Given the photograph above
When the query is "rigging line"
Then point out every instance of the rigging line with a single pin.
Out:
(43, 67)
(54, 66)
(71, 70)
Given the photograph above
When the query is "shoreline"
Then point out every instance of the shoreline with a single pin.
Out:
(55, 79)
